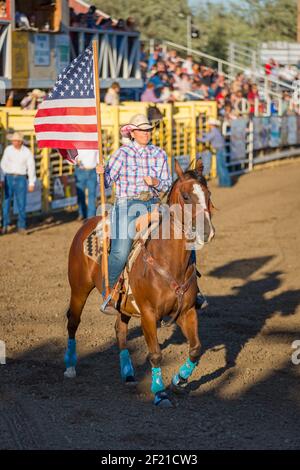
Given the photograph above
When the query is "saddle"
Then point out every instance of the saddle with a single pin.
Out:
(93, 248)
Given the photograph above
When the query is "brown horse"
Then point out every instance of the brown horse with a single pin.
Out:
(162, 284)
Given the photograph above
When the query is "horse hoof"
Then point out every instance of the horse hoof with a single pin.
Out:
(179, 385)
(162, 400)
(70, 373)
(130, 381)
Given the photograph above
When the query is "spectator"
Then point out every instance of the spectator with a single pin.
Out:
(130, 24)
(16, 163)
(187, 65)
(112, 96)
(184, 85)
(149, 95)
(252, 97)
(3, 13)
(33, 99)
(86, 179)
(22, 22)
(91, 17)
(215, 138)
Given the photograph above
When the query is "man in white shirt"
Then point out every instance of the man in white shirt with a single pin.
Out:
(86, 178)
(17, 162)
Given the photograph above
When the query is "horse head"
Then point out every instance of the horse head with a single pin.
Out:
(191, 198)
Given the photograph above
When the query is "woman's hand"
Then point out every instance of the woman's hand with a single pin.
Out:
(100, 169)
(151, 181)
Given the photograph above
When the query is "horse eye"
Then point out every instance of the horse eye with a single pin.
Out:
(186, 196)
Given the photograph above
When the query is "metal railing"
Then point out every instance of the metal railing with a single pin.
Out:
(251, 142)
(228, 68)
(119, 54)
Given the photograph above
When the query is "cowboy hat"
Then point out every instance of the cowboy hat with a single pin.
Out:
(138, 122)
(213, 122)
(16, 136)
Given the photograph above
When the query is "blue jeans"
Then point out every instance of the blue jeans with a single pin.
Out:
(15, 185)
(86, 179)
(222, 169)
(122, 220)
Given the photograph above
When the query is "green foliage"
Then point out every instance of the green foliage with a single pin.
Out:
(248, 21)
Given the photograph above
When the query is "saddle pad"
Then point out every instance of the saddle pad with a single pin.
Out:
(93, 243)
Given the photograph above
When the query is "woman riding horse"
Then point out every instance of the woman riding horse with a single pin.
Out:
(140, 171)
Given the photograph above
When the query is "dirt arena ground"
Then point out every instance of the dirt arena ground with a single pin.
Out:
(245, 393)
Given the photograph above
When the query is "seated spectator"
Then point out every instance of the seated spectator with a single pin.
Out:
(73, 17)
(187, 65)
(240, 104)
(105, 23)
(22, 22)
(91, 17)
(3, 13)
(121, 25)
(130, 24)
(252, 97)
(184, 85)
(33, 99)
(149, 94)
(112, 96)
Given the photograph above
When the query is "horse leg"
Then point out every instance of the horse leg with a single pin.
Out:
(77, 303)
(148, 323)
(189, 326)
(126, 367)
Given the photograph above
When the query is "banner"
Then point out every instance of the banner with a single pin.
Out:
(275, 131)
(63, 192)
(42, 50)
(33, 201)
(62, 51)
(238, 140)
(292, 130)
(20, 67)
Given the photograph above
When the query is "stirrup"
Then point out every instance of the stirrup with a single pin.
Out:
(108, 309)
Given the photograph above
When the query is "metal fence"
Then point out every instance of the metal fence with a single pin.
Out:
(251, 142)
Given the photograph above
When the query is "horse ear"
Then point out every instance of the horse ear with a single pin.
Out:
(178, 170)
(199, 166)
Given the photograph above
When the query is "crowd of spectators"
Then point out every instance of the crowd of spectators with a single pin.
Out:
(170, 78)
(94, 20)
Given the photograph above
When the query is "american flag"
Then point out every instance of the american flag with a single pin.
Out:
(67, 119)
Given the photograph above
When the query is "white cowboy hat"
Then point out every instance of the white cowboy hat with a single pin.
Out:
(137, 122)
(16, 136)
(213, 122)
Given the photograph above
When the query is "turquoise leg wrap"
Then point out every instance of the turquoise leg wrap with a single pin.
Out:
(126, 366)
(70, 356)
(185, 371)
(157, 382)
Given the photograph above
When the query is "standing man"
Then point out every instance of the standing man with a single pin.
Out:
(215, 138)
(86, 178)
(17, 163)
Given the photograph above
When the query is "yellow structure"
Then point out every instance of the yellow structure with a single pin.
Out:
(177, 133)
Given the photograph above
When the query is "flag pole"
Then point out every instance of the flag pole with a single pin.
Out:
(101, 161)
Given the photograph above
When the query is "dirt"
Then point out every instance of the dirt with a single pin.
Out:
(245, 391)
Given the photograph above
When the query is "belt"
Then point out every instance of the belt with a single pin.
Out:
(143, 196)
(14, 174)
(86, 168)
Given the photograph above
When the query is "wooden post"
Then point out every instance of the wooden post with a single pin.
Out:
(101, 161)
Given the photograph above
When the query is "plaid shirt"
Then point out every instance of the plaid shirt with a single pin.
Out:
(128, 166)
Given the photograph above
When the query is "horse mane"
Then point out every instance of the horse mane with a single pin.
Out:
(188, 175)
